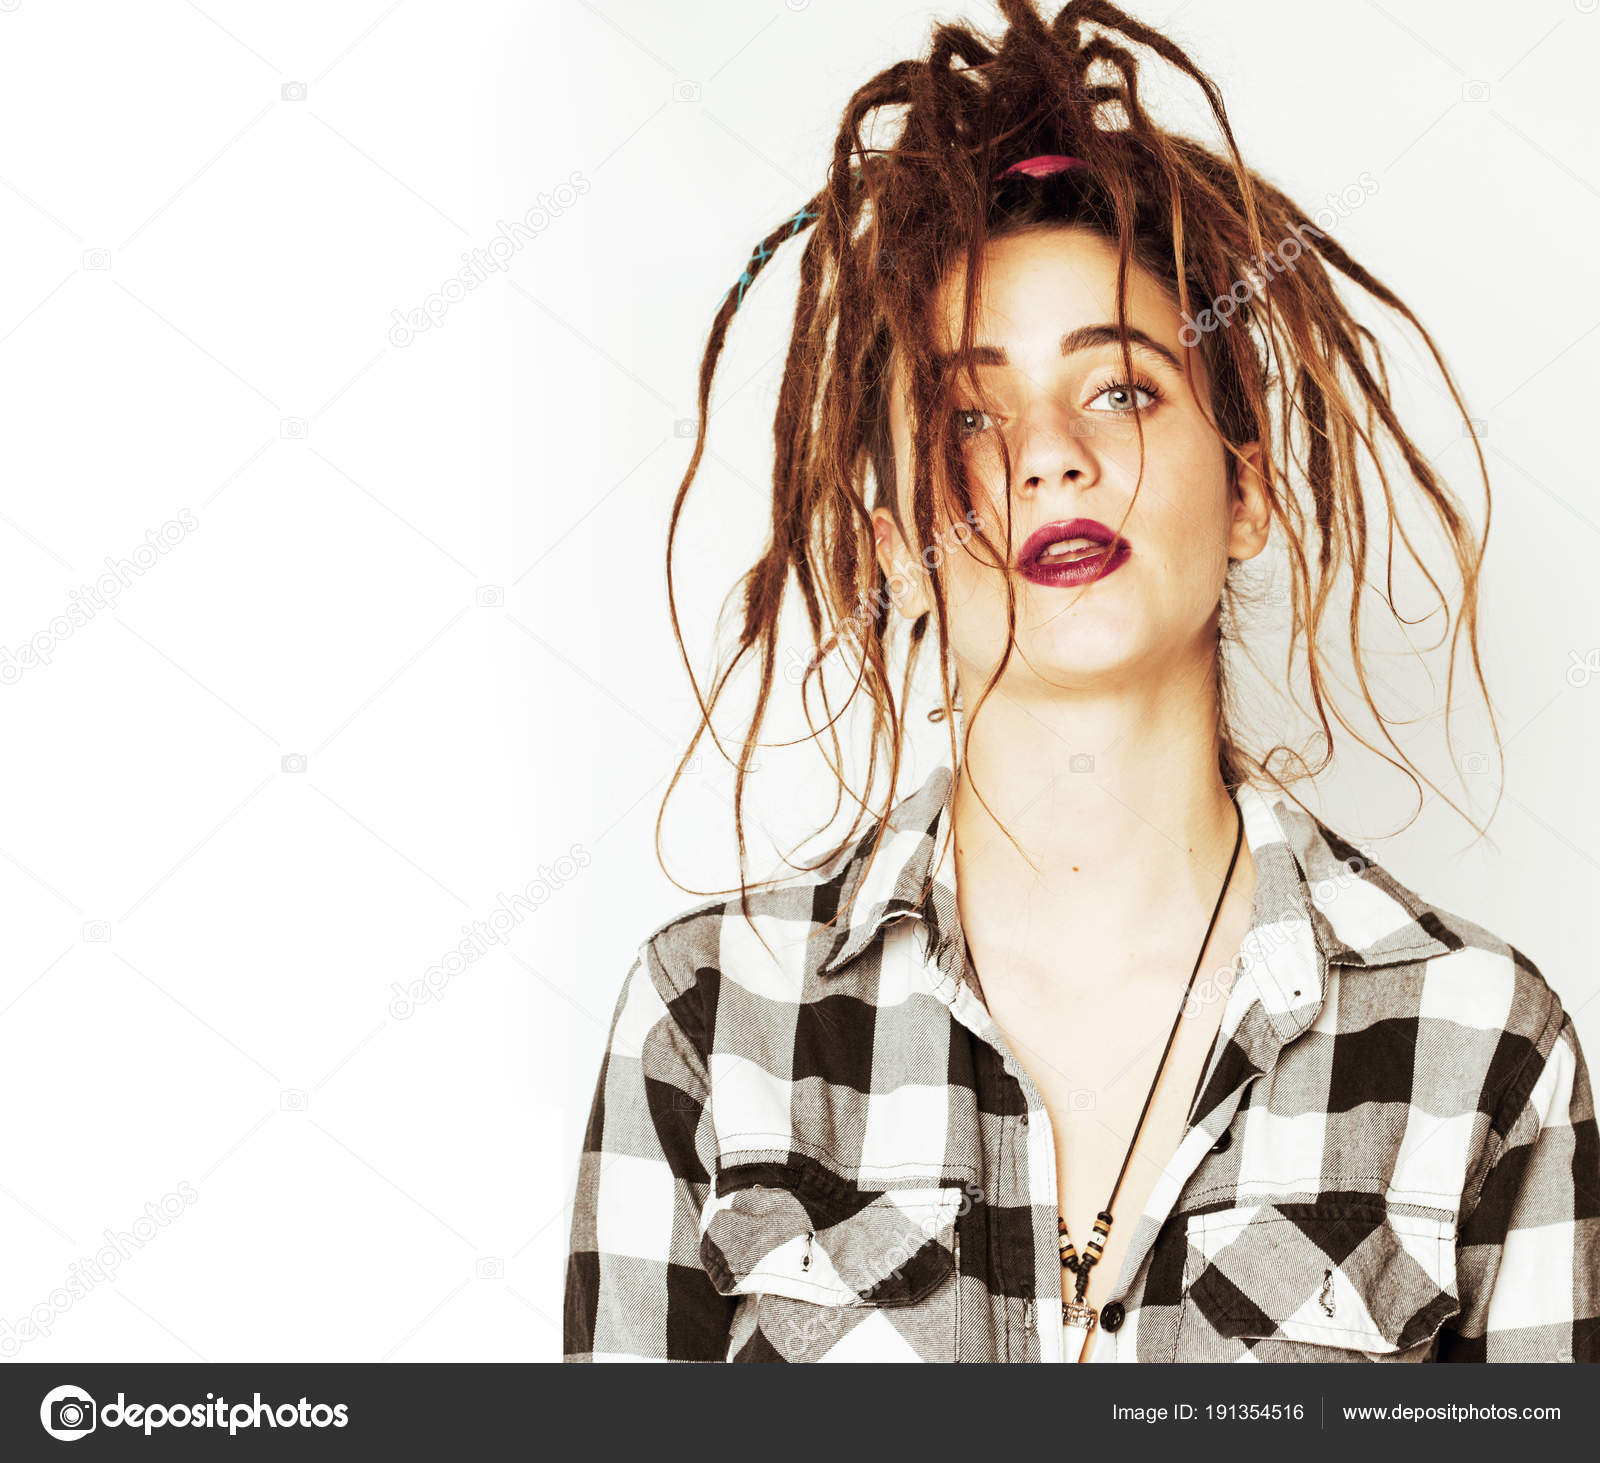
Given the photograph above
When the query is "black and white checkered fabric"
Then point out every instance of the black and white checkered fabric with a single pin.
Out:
(809, 1141)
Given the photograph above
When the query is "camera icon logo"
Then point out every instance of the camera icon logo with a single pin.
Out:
(292, 91)
(67, 1413)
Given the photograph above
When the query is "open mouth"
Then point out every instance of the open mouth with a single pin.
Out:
(1069, 550)
(1073, 551)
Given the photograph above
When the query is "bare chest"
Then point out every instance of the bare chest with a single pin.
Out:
(1093, 1062)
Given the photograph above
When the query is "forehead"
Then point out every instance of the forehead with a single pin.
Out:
(1039, 285)
(1036, 285)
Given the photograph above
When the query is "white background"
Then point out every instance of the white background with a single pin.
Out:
(432, 568)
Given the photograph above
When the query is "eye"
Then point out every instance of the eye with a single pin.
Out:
(970, 421)
(1126, 396)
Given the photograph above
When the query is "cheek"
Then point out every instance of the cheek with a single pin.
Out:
(970, 589)
(1187, 560)
(986, 486)
(975, 602)
(973, 567)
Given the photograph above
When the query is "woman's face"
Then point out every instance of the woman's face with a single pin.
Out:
(1055, 389)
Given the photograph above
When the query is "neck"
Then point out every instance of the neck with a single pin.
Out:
(1127, 847)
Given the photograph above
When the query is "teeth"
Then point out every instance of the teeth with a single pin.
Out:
(1063, 547)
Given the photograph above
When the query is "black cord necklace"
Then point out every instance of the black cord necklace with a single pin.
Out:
(1077, 1313)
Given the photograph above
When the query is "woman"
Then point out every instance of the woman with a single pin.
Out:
(959, 1092)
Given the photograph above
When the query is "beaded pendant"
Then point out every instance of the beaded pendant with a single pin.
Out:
(1077, 1315)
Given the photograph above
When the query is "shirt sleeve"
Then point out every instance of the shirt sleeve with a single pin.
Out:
(636, 1290)
(1528, 1255)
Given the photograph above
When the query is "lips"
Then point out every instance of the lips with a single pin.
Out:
(1072, 551)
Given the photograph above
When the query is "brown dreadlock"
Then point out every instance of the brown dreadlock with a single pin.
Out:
(1295, 368)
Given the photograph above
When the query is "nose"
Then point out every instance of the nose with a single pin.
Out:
(1053, 448)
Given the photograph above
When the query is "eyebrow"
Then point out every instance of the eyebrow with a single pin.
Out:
(1085, 337)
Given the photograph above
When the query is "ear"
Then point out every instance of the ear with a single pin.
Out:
(1251, 525)
(909, 587)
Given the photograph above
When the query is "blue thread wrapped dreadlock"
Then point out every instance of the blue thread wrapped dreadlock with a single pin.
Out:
(762, 253)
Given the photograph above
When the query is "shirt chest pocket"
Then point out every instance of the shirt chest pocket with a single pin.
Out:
(1341, 1278)
(863, 1277)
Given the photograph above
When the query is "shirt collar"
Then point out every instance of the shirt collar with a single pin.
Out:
(1318, 900)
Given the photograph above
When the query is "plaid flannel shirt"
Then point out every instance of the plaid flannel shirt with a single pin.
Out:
(810, 1141)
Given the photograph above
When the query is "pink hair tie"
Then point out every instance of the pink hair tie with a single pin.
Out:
(1043, 164)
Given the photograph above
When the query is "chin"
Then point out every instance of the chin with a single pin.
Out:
(1052, 669)
(1080, 648)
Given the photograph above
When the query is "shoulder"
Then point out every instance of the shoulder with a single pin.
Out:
(1474, 1000)
(755, 952)
(706, 934)
(776, 935)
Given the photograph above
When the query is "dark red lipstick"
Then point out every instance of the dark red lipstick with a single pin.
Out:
(1051, 556)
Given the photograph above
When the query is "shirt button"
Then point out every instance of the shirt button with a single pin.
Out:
(1222, 1143)
(1111, 1316)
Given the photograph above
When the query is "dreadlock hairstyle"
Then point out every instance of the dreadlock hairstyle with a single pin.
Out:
(1295, 371)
